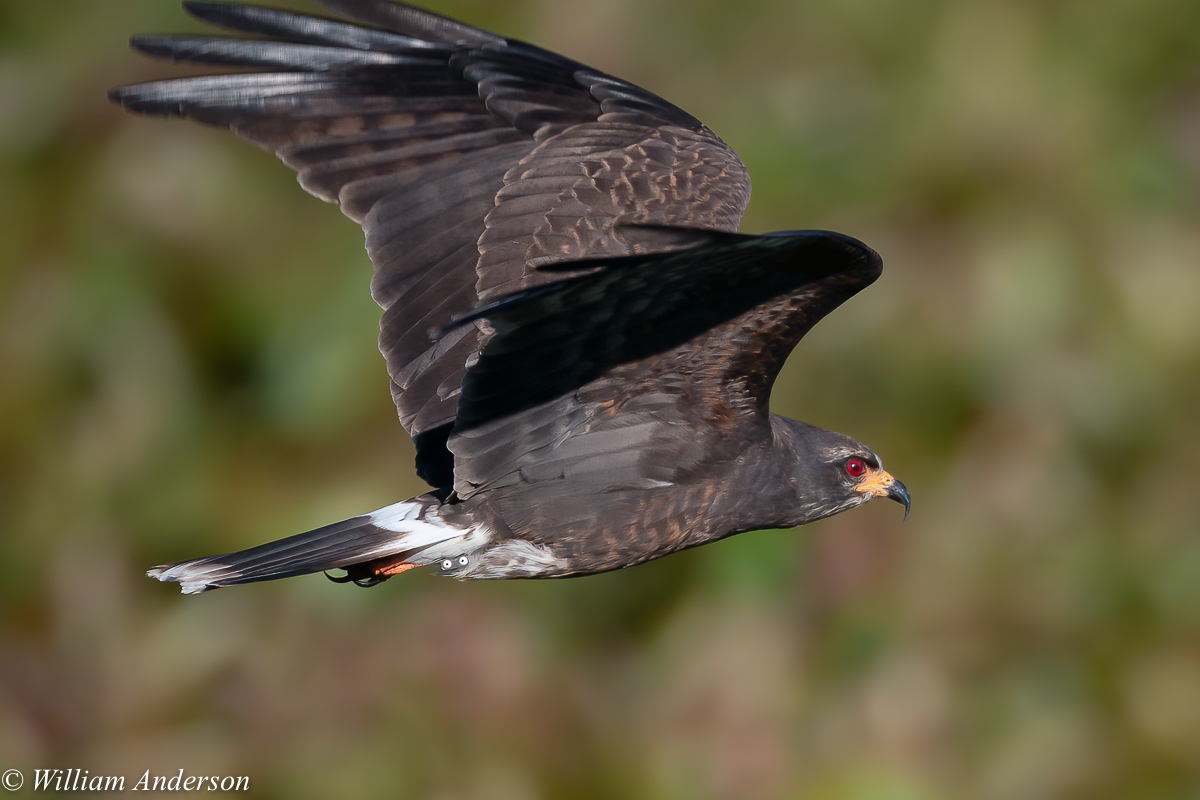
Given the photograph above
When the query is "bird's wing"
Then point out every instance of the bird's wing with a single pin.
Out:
(467, 157)
(580, 371)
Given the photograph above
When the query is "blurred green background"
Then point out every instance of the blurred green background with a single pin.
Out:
(188, 367)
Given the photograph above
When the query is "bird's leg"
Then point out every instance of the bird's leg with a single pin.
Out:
(372, 573)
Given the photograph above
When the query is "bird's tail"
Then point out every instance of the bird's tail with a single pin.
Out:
(370, 548)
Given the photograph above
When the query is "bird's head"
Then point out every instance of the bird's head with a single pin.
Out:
(835, 472)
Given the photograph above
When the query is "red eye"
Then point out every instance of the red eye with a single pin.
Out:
(855, 468)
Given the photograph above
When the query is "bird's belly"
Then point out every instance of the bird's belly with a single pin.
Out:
(578, 533)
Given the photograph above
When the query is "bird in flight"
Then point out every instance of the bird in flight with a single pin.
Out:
(579, 343)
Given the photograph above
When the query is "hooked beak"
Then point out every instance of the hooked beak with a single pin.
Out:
(882, 484)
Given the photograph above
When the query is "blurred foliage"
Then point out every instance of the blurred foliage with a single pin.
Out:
(186, 344)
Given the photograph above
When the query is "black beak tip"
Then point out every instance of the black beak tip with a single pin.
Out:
(898, 492)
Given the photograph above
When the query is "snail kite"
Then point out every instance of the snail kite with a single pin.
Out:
(579, 343)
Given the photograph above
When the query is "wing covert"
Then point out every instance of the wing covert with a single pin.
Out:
(703, 331)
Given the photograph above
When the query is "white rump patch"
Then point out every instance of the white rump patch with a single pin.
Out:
(425, 532)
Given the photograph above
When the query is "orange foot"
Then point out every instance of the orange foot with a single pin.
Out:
(372, 573)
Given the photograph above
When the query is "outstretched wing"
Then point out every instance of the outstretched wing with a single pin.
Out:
(467, 157)
(589, 365)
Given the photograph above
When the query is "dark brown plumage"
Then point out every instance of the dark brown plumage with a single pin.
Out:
(578, 342)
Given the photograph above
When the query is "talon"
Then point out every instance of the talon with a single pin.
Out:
(372, 573)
